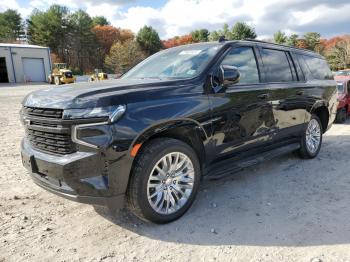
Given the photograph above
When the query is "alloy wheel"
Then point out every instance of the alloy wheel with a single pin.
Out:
(313, 136)
(170, 183)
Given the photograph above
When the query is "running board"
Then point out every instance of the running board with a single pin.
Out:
(230, 166)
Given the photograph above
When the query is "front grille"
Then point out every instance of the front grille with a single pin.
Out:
(43, 112)
(51, 142)
(46, 131)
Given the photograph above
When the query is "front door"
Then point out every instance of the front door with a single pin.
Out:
(3, 71)
(241, 113)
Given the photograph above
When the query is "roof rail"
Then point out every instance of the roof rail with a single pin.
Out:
(288, 46)
(266, 42)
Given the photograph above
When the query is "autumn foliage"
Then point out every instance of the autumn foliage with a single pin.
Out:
(177, 40)
(329, 44)
(106, 35)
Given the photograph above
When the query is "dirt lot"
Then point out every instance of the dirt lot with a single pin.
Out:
(285, 210)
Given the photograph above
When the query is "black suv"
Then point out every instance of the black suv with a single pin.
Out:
(200, 110)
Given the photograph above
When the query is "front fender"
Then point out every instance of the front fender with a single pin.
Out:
(185, 117)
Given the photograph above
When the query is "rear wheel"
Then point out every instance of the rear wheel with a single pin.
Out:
(164, 181)
(57, 81)
(341, 115)
(312, 138)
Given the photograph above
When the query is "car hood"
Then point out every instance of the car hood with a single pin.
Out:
(96, 94)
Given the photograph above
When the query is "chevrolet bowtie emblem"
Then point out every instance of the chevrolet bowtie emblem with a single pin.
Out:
(26, 122)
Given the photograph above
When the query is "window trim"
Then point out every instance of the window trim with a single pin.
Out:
(258, 64)
(300, 72)
(280, 50)
(292, 67)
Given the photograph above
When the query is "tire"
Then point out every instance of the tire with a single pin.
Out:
(50, 79)
(307, 151)
(167, 194)
(341, 115)
(57, 81)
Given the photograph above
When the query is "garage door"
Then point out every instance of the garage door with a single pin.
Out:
(33, 69)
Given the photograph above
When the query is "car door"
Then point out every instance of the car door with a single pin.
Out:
(242, 116)
(286, 91)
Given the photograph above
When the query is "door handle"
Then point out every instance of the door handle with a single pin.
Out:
(300, 92)
(263, 96)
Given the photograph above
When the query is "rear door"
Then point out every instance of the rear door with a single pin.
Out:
(286, 92)
(242, 114)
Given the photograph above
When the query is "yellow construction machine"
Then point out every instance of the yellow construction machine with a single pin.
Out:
(98, 75)
(61, 75)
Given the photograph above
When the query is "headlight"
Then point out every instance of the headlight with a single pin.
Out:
(112, 113)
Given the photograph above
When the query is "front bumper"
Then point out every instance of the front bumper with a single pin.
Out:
(78, 176)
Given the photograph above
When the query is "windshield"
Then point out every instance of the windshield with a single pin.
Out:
(343, 73)
(178, 63)
(340, 86)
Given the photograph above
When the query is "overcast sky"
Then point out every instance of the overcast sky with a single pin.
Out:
(178, 17)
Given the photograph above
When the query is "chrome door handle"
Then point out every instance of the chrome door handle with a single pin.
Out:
(263, 96)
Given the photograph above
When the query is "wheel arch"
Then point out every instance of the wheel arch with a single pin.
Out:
(321, 110)
(186, 130)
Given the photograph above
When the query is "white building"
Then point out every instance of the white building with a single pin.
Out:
(24, 63)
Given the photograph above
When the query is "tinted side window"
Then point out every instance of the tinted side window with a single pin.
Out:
(315, 68)
(244, 59)
(276, 65)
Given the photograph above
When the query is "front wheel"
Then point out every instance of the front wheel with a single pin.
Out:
(164, 181)
(57, 81)
(312, 138)
(50, 79)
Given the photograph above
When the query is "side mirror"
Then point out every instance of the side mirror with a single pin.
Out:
(229, 75)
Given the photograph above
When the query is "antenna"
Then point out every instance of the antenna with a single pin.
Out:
(222, 39)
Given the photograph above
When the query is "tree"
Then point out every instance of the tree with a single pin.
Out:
(149, 40)
(82, 42)
(242, 31)
(106, 35)
(214, 36)
(301, 43)
(126, 34)
(11, 25)
(280, 37)
(49, 28)
(123, 56)
(225, 31)
(201, 35)
(171, 42)
(178, 40)
(239, 31)
(312, 39)
(292, 40)
(99, 20)
(339, 57)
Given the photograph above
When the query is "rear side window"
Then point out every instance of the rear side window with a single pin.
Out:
(277, 65)
(315, 68)
(244, 59)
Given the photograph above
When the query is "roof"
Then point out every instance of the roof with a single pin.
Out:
(261, 43)
(21, 46)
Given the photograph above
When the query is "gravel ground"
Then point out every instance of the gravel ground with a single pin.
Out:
(285, 210)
